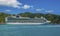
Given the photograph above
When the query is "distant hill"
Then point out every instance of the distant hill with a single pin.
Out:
(55, 19)
(2, 17)
(51, 17)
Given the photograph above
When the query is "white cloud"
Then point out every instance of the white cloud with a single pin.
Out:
(11, 3)
(49, 11)
(14, 3)
(39, 9)
(27, 7)
(7, 10)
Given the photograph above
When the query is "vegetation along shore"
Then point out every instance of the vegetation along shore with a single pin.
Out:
(55, 19)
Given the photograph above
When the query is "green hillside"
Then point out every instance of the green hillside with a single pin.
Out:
(51, 17)
(2, 17)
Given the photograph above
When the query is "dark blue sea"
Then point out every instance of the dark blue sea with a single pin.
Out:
(29, 30)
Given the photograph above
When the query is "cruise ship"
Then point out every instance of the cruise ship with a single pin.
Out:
(25, 20)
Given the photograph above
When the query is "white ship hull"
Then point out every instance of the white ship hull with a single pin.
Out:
(25, 23)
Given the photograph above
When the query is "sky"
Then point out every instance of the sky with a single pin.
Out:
(33, 6)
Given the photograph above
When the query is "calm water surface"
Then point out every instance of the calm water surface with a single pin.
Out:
(29, 30)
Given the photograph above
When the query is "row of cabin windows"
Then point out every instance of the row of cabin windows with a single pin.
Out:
(26, 21)
(22, 19)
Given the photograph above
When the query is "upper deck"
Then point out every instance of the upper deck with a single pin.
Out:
(25, 19)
